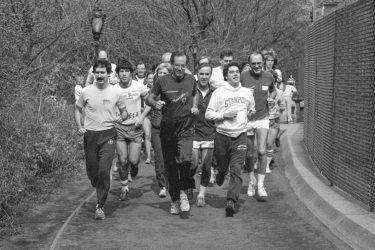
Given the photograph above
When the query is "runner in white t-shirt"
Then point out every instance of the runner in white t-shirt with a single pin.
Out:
(130, 131)
(217, 77)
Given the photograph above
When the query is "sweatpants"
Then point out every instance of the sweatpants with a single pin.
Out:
(177, 143)
(99, 149)
(230, 155)
(161, 173)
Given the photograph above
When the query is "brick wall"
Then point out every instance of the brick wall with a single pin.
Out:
(339, 115)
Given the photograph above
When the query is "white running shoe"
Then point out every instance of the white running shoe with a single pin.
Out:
(262, 194)
(124, 193)
(200, 201)
(184, 203)
(163, 193)
(99, 213)
(174, 208)
(251, 189)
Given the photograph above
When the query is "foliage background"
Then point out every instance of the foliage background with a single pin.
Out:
(46, 44)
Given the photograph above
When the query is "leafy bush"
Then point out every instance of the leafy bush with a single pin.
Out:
(38, 150)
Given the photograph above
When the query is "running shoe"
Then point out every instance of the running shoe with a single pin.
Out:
(200, 201)
(229, 208)
(133, 170)
(262, 194)
(163, 193)
(251, 189)
(99, 213)
(184, 206)
(174, 208)
(124, 193)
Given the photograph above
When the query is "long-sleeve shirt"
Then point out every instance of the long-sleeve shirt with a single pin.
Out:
(204, 129)
(226, 99)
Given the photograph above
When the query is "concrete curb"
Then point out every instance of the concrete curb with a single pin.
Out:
(347, 220)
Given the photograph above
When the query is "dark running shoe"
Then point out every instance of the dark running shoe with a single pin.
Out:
(277, 142)
(133, 171)
(229, 208)
(220, 178)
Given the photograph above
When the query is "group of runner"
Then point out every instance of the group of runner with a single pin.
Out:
(219, 121)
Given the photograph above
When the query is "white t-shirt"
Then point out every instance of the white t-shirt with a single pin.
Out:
(100, 106)
(139, 80)
(217, 78)
(132, 97)
(289, 89)
(113, 79)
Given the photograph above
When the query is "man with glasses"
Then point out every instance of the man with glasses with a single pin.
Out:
(217, 78)
(178, 100)
(262, 84)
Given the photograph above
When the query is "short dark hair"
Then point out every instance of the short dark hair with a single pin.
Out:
(226, 68)
(226, 53)
(255, 53)
(140, 63)
(203, 65)
(243, 65)
(122, 63)
(102, 64)
(179, 53)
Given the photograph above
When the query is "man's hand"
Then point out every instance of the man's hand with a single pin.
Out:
(138, 122)
(159, 104)
(230, 114)
(195, 110)
(81, 131)
(124, 115)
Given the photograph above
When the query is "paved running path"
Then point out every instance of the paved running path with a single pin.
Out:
(144, 222)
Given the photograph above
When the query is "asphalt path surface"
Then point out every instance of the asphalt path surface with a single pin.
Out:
(66, 221)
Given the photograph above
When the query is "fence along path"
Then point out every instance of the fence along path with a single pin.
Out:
(339, 116)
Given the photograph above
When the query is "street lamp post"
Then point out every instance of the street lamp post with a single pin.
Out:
(193, 50)
(97, 22)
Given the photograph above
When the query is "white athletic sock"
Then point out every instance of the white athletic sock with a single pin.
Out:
(252, 177)
(202, 191)
(261, 179)
(212, 176)
(183, 193)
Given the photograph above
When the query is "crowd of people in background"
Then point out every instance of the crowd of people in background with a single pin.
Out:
(214, 123)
